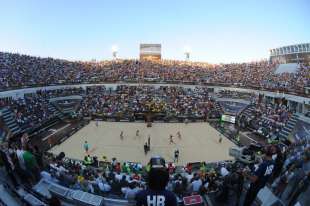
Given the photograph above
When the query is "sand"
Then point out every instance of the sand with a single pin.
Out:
(199, 142)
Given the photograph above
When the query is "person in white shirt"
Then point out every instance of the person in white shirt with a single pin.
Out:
(131, 191)
(19, 153)
(46, 176)
(196, 184)
(118, 176)
(189, 176)
(224, 172)
(104, 187)
(206, 185)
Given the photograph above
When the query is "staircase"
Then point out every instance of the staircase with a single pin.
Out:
(288, 128)
(55, 111)
(218, 107)
(68, 110)
(9, 120)
(248, 111)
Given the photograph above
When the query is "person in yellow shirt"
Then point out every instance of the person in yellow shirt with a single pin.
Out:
(80, 178)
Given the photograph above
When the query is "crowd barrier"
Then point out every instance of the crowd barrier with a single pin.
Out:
(76, 197)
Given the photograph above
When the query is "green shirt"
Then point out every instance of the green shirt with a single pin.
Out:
(29, 159)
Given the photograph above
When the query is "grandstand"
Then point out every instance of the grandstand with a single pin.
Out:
(154, 103)
(287, 68)
(207, 109)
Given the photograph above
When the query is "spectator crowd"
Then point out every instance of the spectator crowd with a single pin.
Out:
(164, 103)
(265, 119)
(124, 102)
(25, 164)
(17, 71)
(224, 182)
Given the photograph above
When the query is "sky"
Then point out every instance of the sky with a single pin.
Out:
(218, 31)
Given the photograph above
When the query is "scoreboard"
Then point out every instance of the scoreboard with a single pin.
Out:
(228, 118)
(150, 51)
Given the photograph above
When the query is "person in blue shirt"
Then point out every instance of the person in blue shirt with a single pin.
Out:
(261, 176)
(156, 194)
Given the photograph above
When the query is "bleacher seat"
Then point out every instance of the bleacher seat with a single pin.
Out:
(87, 199)
(32, 200)
(59, 191)
(287, 68)
(288, 128)
(9, 120)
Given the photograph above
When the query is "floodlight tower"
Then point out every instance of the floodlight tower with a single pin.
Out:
(187, 52)
(114, 51)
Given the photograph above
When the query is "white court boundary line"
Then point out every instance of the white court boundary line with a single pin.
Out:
(45, 138)
(247, 136)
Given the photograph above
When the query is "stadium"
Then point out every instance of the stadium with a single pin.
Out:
(155, 131)
(298, 53)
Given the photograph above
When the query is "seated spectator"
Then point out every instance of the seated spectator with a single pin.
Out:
(104, 187)
(131, 191)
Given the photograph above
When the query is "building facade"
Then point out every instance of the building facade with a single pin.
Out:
(298, 53)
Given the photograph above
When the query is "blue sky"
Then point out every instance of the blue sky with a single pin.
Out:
(216, 31)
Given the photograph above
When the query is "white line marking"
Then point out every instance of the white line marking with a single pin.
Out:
(45, 138)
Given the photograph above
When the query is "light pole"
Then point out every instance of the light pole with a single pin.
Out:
(187, 52)
(114, 51)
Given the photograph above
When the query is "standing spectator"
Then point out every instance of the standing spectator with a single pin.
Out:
(260, 177)
(31, 165)
(196, 184)
(5, 159)
(156, 194)
(39, 156)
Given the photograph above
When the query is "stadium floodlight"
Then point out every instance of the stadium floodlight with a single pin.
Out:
(114, 51)
(187, 52)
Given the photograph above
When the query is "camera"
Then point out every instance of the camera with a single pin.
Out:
(157, 162)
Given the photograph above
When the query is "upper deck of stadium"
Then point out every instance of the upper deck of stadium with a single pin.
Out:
(20, 71)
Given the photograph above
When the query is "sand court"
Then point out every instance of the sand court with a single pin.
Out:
(198, 142)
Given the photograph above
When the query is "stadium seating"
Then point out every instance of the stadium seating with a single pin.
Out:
(19, 71)
(79, 183)
(288, 128)
(287, 68)
(9, 120)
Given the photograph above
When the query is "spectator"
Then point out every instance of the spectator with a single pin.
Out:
(156, 193)
(196, 184)
(260, 177)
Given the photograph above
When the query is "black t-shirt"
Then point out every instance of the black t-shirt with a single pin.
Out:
(123, 183)
(156, 198)
(116, 187)
(263, 172)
